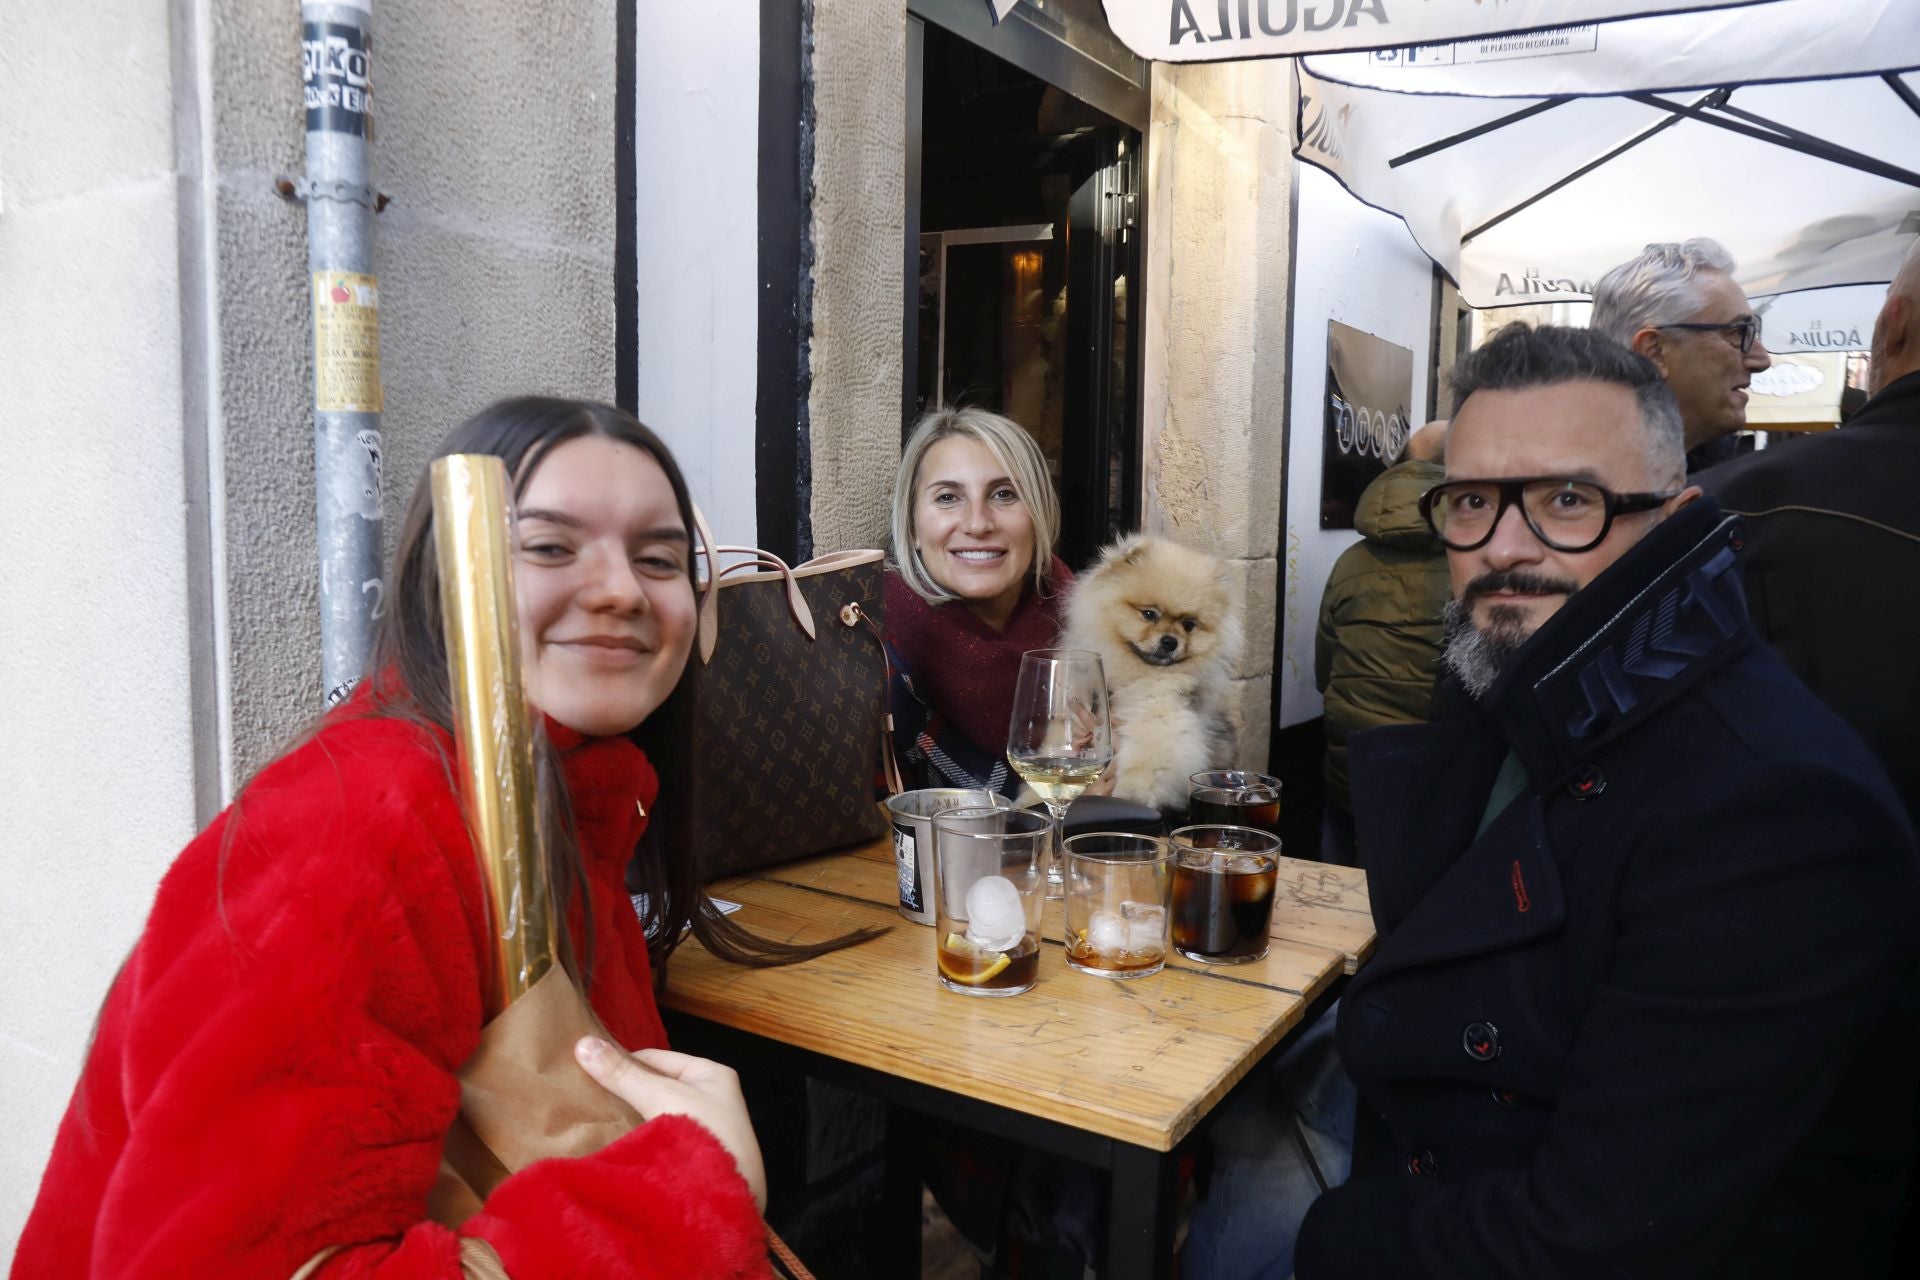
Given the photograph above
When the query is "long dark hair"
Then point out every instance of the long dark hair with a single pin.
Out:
(408, 673)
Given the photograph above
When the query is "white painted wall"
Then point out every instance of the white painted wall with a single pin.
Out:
(1358, 266)
(95, 731)
(697, 135)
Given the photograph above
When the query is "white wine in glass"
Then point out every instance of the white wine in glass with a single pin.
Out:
(1059, 738)
(1058, 779)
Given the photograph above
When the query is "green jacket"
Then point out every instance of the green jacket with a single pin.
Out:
(1378, 650)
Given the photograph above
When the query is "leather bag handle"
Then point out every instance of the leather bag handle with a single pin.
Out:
(708, 630)
(852, 615)
(707, 634)
(765, 560)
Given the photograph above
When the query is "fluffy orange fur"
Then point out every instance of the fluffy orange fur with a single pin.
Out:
(1163, 618)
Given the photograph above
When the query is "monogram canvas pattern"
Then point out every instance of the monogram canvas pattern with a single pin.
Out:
(786, 730)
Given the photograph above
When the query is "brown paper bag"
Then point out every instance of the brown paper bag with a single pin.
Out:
(523, 1098)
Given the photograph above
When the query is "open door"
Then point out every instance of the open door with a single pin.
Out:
(1025, 230)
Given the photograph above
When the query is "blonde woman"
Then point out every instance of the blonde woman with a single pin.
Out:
(973, 583)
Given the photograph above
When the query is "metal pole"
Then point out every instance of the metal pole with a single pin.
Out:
(347, 396)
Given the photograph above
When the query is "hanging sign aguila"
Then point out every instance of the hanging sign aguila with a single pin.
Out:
(1219, 30)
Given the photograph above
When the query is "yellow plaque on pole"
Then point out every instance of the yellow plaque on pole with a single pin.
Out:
(346, 343)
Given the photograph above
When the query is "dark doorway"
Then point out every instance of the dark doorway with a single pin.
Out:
(1026, 228)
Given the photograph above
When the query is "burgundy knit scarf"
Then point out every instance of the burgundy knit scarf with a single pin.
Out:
(963, 669)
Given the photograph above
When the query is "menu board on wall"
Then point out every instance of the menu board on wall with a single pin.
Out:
(1369, 404)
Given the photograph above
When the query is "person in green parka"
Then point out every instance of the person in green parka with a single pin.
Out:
(1378, 650)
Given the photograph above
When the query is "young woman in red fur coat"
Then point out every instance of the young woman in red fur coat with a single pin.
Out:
(274, 1070)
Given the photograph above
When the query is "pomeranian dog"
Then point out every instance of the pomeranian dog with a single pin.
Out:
(1164, 623)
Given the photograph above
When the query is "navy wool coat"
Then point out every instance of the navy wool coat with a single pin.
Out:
(1657, 1020)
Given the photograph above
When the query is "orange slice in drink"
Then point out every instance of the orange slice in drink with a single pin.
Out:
(962, 960)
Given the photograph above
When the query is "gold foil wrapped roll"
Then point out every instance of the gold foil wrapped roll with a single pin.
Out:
(492, 724)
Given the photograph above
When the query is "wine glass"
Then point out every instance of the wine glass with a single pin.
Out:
(1059, 737)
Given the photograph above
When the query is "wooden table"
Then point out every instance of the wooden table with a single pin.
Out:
(1115, 1074)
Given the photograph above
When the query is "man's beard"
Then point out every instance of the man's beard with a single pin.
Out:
(1476, 657)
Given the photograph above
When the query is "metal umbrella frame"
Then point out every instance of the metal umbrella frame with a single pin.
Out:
(1806, 167)
(1529, 145)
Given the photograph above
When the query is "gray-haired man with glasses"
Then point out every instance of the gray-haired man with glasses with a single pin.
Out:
(1678, 305)
(1640, 1001)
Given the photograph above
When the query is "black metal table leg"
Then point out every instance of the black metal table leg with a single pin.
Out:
(900, 1198)
(1140, 1214)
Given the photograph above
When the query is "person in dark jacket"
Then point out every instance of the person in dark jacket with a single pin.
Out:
(1832, 563)
(1641, 1001)
(1832, 566)
(1378, 648)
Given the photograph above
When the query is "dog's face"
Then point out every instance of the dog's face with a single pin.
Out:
(1160, 602)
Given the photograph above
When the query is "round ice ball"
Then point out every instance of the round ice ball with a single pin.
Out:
(996, 918)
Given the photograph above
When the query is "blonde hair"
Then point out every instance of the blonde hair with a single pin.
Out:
(1013, 449)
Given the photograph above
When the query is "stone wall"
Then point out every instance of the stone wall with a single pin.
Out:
(496, 256)
(1219, 175)
(495, 263)
(858, 235)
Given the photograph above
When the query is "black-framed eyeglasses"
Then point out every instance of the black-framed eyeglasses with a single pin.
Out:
(1564, 513)
(1743, 333)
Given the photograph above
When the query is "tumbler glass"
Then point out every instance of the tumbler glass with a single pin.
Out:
(1223, 882)
(1117, 892)
(1235, 798)
(990, 873)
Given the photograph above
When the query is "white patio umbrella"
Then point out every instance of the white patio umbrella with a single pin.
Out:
(1789, 131)
(1219, 30)
(1821, 319)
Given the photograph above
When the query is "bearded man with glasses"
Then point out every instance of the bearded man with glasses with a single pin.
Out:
(1679, 306)
(1641, 1003)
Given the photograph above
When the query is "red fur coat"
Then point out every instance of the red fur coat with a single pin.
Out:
(274, 1068)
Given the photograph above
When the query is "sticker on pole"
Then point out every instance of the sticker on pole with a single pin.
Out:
(338, 78)
(346, 343)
